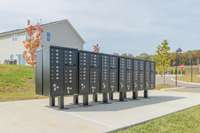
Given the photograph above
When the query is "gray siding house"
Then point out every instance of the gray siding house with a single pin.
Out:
(59, 33)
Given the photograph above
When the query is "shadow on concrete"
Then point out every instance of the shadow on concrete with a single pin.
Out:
(117, 106)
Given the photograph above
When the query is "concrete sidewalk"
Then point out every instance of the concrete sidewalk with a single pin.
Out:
(34, 116)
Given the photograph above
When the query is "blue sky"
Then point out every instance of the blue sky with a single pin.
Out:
(124, 26)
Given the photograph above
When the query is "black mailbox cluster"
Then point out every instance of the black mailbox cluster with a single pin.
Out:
(69, 72)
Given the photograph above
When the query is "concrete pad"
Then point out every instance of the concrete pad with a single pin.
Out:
(34, 116)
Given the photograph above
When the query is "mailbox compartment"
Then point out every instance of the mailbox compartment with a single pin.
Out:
(95, 61)
(56, 71)
(39, 72)
(136, 74)
(152, 75)
(105, 73)
(122, 75)
(129, 74)
(114, 64)
(141, 75)
(70, 71)
(94, 81)
(84, 72)
(147, 74)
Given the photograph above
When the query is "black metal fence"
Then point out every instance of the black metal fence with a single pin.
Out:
(69, 72)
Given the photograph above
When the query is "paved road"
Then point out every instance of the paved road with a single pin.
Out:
(184, 86)
(34, 116)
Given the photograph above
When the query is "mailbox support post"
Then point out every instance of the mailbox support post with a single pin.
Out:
(61, 102)
(135, 94)
(146, 93)
(125, 95)
(75, 99)
(51, 101)
(121, 96)
(111, 96)
(105, 98)
(85, 100)
(95, 97)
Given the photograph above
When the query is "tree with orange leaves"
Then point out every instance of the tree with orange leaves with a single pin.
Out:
(32, 42)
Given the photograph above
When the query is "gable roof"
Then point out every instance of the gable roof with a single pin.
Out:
(18, 31)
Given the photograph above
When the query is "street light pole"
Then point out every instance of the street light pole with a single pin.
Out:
(191, 69)
(176, 68)
(179, 50)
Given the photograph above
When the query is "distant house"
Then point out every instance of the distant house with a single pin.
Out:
(59, 33)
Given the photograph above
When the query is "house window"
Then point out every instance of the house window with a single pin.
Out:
(48, 36)
(14, 37)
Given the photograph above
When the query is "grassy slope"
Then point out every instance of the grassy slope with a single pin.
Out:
(16, 83)
(187, 121)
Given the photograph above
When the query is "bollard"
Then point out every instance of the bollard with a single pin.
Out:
(75, 99)
(95, 97)
(61, 102)
(51, 101)
(105, 98)
(145, 93)
(111, 96)
(135, 94)
(85, 100)
(121, 96)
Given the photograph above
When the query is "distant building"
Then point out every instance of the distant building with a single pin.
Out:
(59, 33)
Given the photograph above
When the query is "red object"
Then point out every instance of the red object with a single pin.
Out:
(182, 66)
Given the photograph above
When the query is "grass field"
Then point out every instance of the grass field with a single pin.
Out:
(16, 83)
(187, 121)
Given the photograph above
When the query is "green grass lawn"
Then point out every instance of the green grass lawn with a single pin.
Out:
(17, 83)
(187, 121)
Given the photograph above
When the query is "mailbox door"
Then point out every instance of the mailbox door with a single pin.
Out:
(70, 71)
(129, 74)
(84, 72)
(56, 71)
(94, 80)
(94, 73)
(113, 80)
(147, 74)
(122, 75)
(39, 73)
(152, 77)
(141, 75)
(105, 73)
(136, 75)
(114, 73)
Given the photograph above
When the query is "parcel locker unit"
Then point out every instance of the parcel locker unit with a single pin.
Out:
(147, 74)
(129, 74)
(38, 73)
(113, 73)
(152, 75)
(122, 74)
(136, 74)
(105, 73)
(70, 71)
(84, 72)
(141, 75)
(94, 73)
(53, 71)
